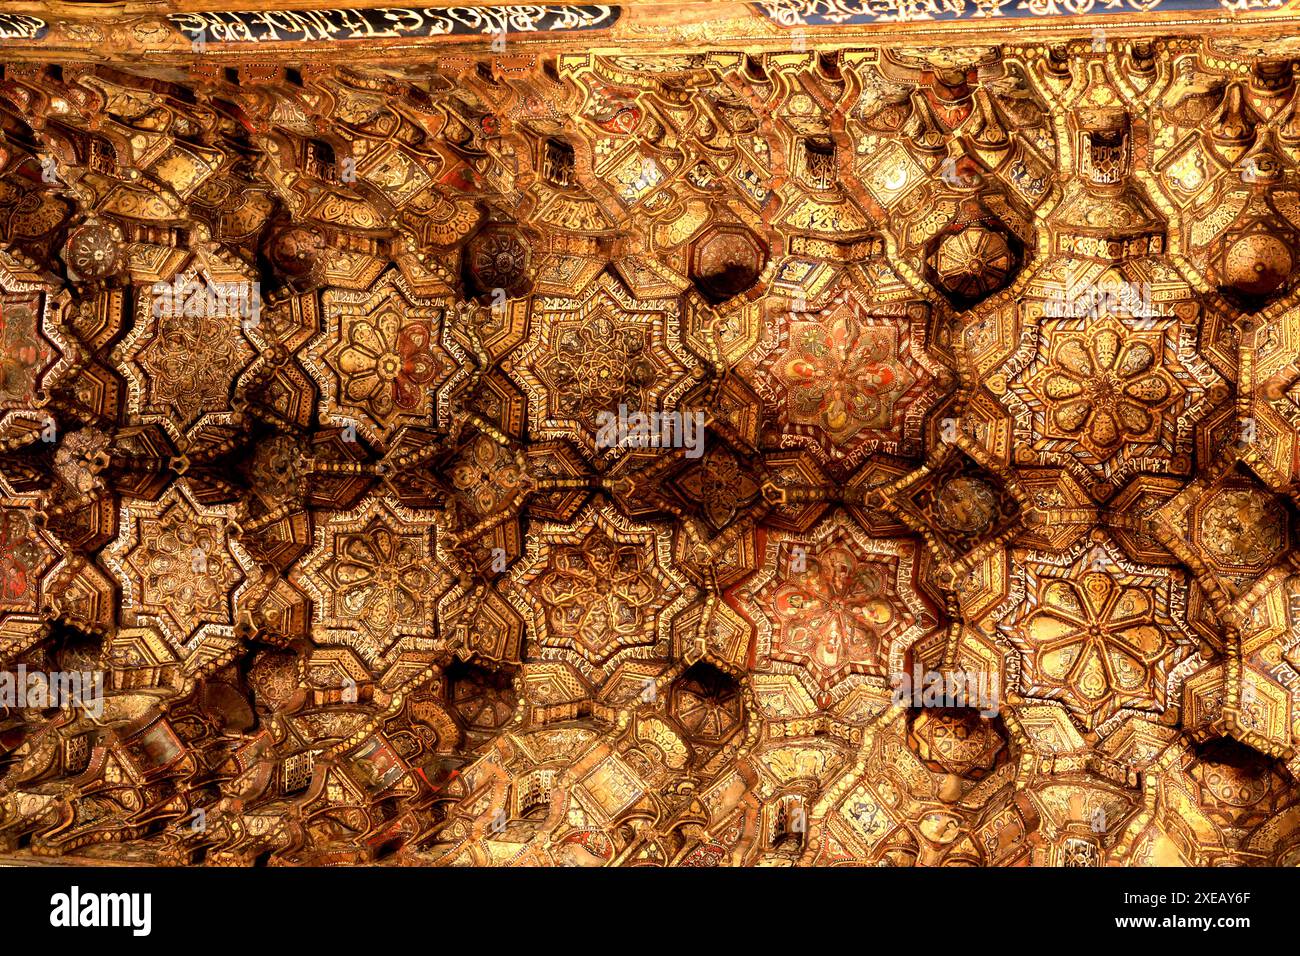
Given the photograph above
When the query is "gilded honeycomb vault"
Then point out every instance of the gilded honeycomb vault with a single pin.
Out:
(783, 433)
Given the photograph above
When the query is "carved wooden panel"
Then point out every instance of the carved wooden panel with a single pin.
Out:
(710, 434)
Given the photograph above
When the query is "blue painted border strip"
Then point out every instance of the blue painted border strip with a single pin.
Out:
(21, 26)
(384, 23)
(795, 13)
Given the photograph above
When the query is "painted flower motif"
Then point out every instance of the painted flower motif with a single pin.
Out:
(498, 260)
(382, 581)
(833, 614)
(487, 476)
(18, 561)
(385, 362)
(1096, 639)
(1106, 389)
(184, 571)
(843, 375)
(720, 485)
(976, 261)
(191, 360)
(600, 365)
(601, 593)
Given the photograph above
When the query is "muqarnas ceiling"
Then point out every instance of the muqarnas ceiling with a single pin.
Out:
(994, 348)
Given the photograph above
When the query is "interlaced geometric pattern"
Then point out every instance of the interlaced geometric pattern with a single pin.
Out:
(579, 452)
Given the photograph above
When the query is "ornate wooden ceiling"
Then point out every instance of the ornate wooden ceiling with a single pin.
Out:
(964, 531)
